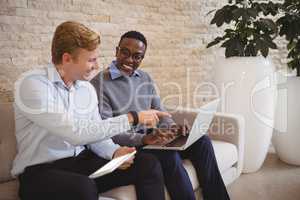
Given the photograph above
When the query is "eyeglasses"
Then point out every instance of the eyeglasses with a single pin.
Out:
(137, 57)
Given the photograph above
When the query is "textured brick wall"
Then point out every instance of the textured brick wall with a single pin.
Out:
(177, 31)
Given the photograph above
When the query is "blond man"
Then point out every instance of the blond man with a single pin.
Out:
(61, 137)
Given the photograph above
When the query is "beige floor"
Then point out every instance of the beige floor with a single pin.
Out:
(274, 181)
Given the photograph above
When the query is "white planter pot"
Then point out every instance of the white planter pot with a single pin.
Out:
(248, 87)
(286, 138)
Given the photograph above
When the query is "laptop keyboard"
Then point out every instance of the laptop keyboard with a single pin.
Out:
(177, 142)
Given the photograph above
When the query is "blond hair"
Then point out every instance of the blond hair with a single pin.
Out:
(69, 37)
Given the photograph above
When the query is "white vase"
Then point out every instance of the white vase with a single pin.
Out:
(286, 138)
(248, 87)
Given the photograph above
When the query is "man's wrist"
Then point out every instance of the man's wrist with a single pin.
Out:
(114, 154)
(130, 118)
(133, 118)
(143, 140)
(173, 125)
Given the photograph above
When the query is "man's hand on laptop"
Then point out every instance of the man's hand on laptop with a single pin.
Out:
(123, 151)
(158, 136)
(180, 129)
(149, 118)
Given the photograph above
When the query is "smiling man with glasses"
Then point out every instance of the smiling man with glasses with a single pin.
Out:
(137, 57)
(123, 87)
(127, 61)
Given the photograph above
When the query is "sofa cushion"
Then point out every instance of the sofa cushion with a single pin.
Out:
(229, 175)
(192, 173)
(128, 192)
(226, 154)
(9, 190)
(7, 140)
(123, 192)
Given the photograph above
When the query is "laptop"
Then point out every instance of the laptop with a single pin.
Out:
(199, 128)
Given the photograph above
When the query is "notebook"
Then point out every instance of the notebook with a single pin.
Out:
(112, 165)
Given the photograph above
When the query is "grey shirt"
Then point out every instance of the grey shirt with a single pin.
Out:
(118, 94)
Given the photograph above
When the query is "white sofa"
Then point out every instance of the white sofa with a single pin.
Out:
(227, 132)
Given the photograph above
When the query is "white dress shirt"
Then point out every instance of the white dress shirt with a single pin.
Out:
(54, 121)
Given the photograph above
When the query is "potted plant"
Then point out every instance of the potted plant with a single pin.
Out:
(286, 138)
(245, 76)
(250, 33)
(289, 25)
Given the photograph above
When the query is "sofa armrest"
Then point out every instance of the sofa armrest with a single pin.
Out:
(224, 127)
(230, 128)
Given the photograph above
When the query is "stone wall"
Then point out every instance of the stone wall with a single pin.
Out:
(177, 32)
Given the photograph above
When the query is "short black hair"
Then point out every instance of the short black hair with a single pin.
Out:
(134, 35)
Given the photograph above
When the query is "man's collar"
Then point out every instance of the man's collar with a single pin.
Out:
(55, 77)
(116, 73)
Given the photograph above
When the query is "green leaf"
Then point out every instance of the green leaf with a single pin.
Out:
(250, 50)
(250, 34)
(229, 31)
(227, 43)
(264, 51)
(218, 18)
(269, 42)
(294, 64)
(269, 24)
(230, 52)
(238, 45)
(252, 12)
(210, 12)
(290, 64)
(264, 9)
(237, 13)
(223, 15)
(216, 41)
(291, 45)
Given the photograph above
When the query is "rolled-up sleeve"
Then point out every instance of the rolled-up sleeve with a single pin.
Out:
(104, 149)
